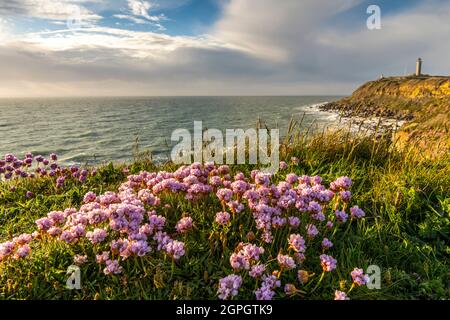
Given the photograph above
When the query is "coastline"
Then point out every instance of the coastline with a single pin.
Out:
(370, 123)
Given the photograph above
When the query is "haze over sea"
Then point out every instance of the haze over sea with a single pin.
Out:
(95, 130)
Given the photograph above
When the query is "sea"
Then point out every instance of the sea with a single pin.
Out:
(99, 130)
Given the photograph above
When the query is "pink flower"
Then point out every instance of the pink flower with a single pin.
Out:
(96, 236)
(224, 169)
(89, 197)
(326, 244)
(175, 249)
(345, 195)
(23, 239)
(224, 194)
(56, 216)
(79, 259)
(6, 249)
(112, 267)
(22, 252)
(54, 231)
(139, 248)
(147, 197)
(257, 271)
(311, 230)
(239, 186)
(356, 212)
(341, 183)
(297, 242)
(286, 261)
(215, 181)
(359, 278)
(341, 216)
(294, 222)
(102, 258)
(328, 262)
(266, 291)
(44, 224)
(291, 178)
(222, 218)
(229, 286)
(339, 295)
(184, 225)
(235, 206)
(67, 236)
(246, 255)
(262, 179)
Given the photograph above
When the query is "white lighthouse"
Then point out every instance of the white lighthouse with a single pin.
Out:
(419, 67)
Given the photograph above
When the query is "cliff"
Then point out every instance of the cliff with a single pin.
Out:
(423, 102)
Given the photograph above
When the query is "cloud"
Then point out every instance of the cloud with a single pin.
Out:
(49, 9)
(256, 47)
(131, 18)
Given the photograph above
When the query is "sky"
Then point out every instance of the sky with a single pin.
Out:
(214, 47)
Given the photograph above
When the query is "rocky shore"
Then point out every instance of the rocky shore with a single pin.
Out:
(419, 107)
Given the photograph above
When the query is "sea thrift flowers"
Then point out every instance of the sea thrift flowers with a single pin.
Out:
(229, 286)
(222, 218)
(326, 244)
(257, 270)
(175, 249)
(341, 216)
(339, 295)
(356, 212)
(285, 261)
(96, 236)
(359, 278)
(184, 225)
(297, 243)
(13, 168)
(116, 229)
(246, 255)
(112, 267)
(327, 262)
(311, 230)
(341, 183)
(266, 291)
(79, 259)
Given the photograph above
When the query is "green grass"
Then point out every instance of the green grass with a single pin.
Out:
(406, 230)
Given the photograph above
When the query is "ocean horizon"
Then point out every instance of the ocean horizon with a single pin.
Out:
(94, 130)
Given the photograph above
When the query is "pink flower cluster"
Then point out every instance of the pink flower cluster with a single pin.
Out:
(12, 167)
(266, 291)
(327, 262)
(297, 243)
(18, 248)
(359, 278)
(130, 222)
(229, 286)
(246, 255)
(184, 225)
(222, 218)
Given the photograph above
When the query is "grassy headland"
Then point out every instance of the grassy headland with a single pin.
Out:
(423, 102)
(405, 232)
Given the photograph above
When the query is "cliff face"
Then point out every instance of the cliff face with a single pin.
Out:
(424, 102)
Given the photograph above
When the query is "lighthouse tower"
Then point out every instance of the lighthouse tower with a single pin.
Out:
(419, 67)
